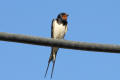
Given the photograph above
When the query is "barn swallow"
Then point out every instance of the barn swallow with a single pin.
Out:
(58, 31)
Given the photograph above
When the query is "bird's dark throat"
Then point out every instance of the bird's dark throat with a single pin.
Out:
(64, 22)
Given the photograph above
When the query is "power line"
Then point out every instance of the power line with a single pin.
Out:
(59, 43)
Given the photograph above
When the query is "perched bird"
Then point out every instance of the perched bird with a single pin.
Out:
(58, 31)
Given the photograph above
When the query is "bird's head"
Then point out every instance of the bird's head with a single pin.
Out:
(62, 16)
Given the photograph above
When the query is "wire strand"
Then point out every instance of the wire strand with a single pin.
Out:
(59, 43)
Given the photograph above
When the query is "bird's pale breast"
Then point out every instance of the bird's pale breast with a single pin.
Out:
(59, 30)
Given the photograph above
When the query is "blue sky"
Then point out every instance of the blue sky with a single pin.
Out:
(95, 21)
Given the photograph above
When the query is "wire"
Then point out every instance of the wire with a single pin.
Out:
(59, 43)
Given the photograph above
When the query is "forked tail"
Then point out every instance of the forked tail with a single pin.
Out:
(52, 58)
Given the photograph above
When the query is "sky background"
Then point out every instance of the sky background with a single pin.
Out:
(96, 21)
